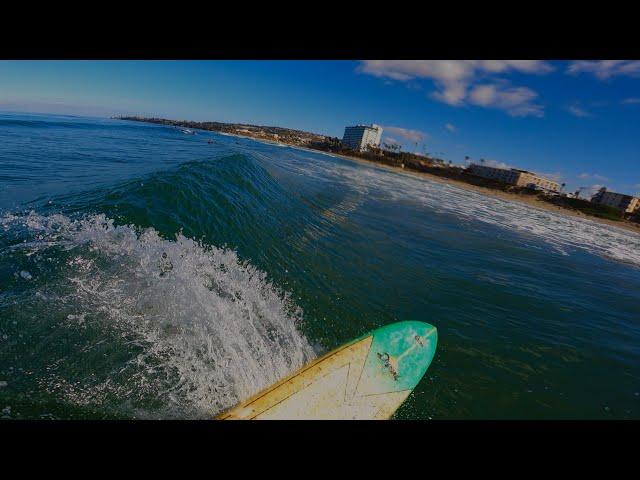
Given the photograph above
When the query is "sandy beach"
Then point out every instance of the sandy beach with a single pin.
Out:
(525, 199)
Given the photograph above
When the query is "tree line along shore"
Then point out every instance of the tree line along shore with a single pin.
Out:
(432, 166)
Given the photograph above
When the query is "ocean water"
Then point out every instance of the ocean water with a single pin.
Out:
(145, 273)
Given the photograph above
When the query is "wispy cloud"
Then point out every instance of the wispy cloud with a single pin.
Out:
(631, 101)
(516, 101)
(405, 133)
(605, 69)
(450, 127)
(592, 176)
(577, 111)
(454, 80)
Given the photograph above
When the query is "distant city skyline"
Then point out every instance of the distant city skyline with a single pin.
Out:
(574, 121)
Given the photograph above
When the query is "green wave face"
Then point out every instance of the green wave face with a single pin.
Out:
(399, 357)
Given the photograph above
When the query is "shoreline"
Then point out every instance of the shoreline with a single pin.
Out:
(530, 201)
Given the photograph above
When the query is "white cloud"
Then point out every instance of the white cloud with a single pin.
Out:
(631, 101)
(405, 133)
(450, 76)
(450, 127)
(451, 92)
(454, 78)
(577, 111)
(448, 70)
(592, 176)
(524, 66)
(390, 141)
(442, 70)
(516, 101)
(604, 69)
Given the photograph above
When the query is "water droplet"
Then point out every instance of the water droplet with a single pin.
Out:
(26, 275)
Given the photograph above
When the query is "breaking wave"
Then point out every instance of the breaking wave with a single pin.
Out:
(561, 232)
(201, 329)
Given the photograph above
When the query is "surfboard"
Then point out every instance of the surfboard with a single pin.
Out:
(368, 378)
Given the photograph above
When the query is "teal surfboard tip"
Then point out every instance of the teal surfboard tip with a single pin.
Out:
(400, 354)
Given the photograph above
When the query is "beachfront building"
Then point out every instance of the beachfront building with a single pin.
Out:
(532, 180)
(624, 203)
(514, 176)
(362, 137)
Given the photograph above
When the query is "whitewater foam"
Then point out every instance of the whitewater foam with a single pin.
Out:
(561, 232)
(210, 329)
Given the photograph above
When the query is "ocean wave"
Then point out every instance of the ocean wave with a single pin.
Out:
(205, 329)
(562, 232)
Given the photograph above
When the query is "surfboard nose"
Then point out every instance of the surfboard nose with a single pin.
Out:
(399, 356)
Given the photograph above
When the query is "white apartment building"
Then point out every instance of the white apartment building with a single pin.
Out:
(362, 137)
(513, 176)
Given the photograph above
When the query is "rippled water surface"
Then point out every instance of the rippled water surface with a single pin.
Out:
(145, 273)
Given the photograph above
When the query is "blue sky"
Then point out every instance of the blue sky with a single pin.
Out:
(575, 120)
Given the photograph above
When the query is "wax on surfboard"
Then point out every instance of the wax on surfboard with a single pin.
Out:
(368, 378)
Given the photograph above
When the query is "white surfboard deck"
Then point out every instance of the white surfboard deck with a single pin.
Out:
(366, 379)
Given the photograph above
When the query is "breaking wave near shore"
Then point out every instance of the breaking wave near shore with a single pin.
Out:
(561, 232)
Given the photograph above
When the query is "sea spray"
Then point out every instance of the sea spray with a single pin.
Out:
(201, 328)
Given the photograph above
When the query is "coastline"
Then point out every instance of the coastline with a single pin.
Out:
(530, 201)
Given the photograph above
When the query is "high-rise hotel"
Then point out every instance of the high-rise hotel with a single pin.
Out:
(362, 137)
